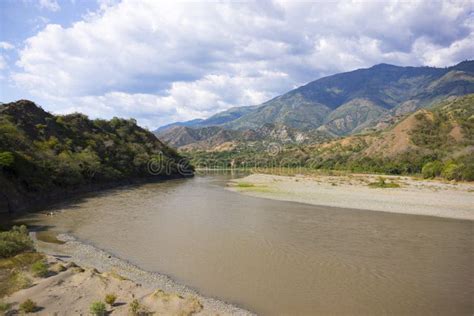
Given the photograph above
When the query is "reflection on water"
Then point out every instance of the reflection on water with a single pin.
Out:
(277, 257)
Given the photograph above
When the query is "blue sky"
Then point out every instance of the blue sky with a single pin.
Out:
(164, 61)
(22, 19)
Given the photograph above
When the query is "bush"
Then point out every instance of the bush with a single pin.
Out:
(98, 309)
(15, 241)
(28, 306)
(467, 171)
(452, 171)
(381, 183)
(110, 299)
(135, 307)
(6, 159)
(39, 269)
(432, 169)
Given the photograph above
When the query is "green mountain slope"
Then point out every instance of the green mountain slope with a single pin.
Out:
(43, 156)
(384, 86)
(352, 102)
(352, 116)
(435, 142)
(220, 138)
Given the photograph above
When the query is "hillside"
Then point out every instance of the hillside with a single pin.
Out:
(43, 156)
(383, 86)
(349, 103)
(215, 120)
(436, 142)
(219, 138)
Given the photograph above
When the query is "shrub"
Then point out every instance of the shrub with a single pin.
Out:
(467, 171)
(381, 183)
(28, 306)
(98, 308)
(432, 169)
(15, 241)
(6, 159)
(39, 269)
(452, 171)
(135, 307)
(110, 299)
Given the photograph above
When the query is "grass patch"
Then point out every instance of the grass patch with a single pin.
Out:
(21, 261)
(4, 307)
(382, 183)
(13, 276)
(40, 269)
(12, 281)
(245, 185)
(250, 187)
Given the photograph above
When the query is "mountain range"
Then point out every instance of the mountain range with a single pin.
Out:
(339, 105)
(434, 142)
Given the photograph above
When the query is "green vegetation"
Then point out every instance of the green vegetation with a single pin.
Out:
(344, 103)
(40, 269)
(98, 309)
(245, 185)
(28, 306)
(16, 260)
(4, 307)
(15, 241)
(41, 153)
(434, 149)
(110, 299)
(334, 101)
(6, 159)
(432, 169)
(382, 183)
(135, 308)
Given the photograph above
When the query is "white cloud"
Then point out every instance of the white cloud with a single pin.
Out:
(51, 5)
(164, 61)
(6, 45)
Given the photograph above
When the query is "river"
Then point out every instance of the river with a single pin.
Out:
(274, 257)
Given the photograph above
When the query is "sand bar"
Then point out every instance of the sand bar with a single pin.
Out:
(414, 196)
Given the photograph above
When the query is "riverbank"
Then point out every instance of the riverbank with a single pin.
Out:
(407, 195)
(16, 201)
(91, 273)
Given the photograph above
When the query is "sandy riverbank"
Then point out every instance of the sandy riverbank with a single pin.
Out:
(98, 273)
(422, 197)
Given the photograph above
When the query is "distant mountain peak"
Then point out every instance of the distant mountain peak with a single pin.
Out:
(384, 65)
(351, 102)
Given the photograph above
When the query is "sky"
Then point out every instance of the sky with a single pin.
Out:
(165, 61)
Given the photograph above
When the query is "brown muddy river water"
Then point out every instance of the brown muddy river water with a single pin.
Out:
(282, 258)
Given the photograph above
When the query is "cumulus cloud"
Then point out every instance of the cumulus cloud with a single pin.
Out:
(161, 61)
